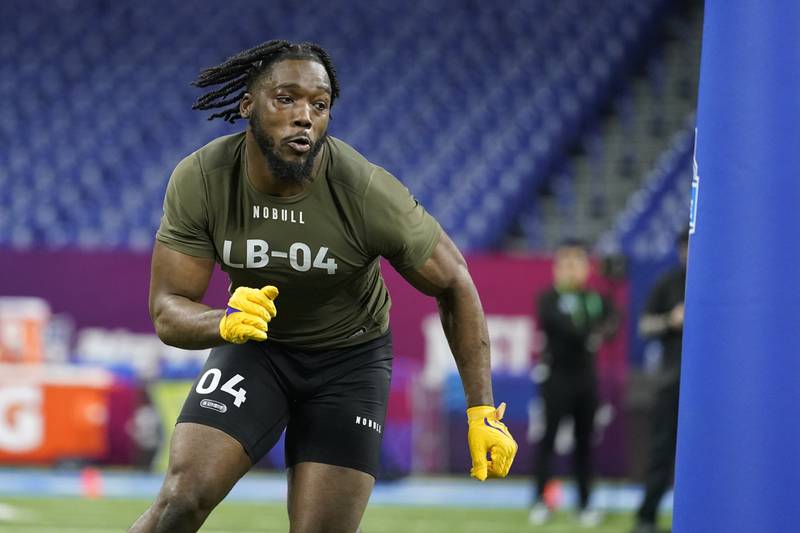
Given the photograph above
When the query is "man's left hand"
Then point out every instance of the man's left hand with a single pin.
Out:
(487, 434)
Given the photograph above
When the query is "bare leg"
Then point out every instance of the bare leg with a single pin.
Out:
(326, 498)
(204, 464)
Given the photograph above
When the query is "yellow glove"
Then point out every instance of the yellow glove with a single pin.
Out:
(249, 311)
(488, 435)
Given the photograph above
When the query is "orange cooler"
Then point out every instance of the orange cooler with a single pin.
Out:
(52, 413)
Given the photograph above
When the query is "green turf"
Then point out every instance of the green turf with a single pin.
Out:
(101, 516)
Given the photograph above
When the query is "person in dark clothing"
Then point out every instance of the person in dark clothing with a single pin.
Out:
(575, 320)
(663, 320)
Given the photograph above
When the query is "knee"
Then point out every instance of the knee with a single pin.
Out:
(183, 502)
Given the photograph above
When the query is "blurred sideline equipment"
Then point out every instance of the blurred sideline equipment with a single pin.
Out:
(738, 466)
(48, 413)
(51, 413)
(22, 325)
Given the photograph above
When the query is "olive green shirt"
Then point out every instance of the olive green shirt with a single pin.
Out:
(321, 247)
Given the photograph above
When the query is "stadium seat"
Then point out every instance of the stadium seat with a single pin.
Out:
(471, 106)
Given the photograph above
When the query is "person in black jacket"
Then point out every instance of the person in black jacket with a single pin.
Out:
(663, 320)
(575, 320)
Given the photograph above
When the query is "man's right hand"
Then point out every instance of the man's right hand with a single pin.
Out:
(249, 311)
(488, 435)
(675, 318)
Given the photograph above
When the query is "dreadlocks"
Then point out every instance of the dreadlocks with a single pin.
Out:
(238, 72)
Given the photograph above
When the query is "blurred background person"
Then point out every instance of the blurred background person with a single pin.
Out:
(575, 320)
(663, 320)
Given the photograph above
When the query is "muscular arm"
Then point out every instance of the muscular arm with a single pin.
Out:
(652, 325)
(445, 276)
(177, 284)
(660, 316)
(655, 325)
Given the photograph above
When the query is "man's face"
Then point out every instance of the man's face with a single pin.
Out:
(289, 110)
(571, 267)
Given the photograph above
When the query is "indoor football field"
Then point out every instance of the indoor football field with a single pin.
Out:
(73, 515)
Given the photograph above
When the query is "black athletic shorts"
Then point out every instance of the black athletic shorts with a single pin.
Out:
(332, 403)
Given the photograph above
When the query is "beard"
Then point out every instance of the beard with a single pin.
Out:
(291, 172)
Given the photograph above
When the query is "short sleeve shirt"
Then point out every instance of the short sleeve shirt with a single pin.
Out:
(321, 247)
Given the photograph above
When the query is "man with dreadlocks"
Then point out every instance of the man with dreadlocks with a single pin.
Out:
(284, 207)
